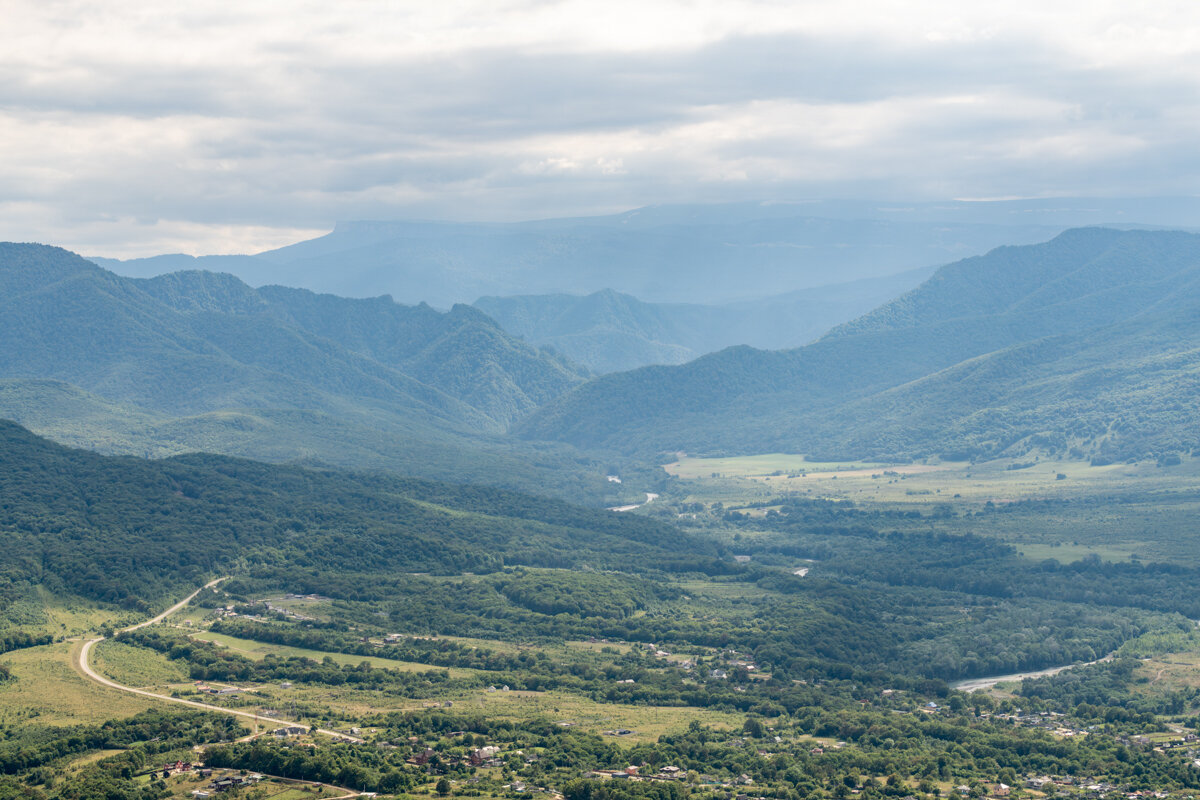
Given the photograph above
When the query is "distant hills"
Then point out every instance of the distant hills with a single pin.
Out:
(609, 332)
(696, 254)
(1086, 345)
(201, 361)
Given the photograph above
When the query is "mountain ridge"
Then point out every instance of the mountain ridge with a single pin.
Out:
(841, 395)
(608, 331)
(198, 361)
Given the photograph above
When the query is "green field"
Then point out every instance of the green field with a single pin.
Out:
(48, 690)
(182, 786)
(646, 722)
(259, 650)
(135, 666)
(760, 465)
(1117, 512)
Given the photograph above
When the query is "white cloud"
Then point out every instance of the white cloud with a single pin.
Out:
(203, 127)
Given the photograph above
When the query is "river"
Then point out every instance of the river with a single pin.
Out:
(975, 684)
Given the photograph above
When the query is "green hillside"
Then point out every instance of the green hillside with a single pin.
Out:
(133, 531)
(200, 361)
(1076, 346)
(197, 342)
(608, 331)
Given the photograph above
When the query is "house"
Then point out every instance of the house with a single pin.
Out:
(482, 755)
(719, 673)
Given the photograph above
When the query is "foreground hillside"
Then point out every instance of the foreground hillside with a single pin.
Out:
(131, 531)
(419, 638)
(1078, 345)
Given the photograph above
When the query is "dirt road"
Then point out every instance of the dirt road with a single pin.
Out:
(83, 662)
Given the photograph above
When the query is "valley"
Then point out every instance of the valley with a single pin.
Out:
(570, 674)
(390, 550)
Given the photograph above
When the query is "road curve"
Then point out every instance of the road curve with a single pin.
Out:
(84, 663)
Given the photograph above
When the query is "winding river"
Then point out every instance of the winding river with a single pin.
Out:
(975, 684)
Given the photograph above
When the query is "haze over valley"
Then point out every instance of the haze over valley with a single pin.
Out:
(731, 400)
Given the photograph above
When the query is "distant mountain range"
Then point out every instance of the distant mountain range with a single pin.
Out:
(610, 332)
(1087, 345)
(697, 254)
(200, 361)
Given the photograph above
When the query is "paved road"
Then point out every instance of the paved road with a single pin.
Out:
(84, 663)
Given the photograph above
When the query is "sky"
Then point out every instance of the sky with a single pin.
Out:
(131, 127)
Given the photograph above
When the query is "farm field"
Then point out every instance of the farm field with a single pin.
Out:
(259, 650)
(1117, 512)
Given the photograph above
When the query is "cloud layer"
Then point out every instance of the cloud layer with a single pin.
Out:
(136, 127)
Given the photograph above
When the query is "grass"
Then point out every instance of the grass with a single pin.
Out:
(182, 786)
(1066, 553)
(647, 722)
(136, 666)
(259, 650)
(1117, 512)
(760, 465)
(723, 590)
(41, 611)
(49, 691)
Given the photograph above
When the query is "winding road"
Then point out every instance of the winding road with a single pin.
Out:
(84, 658)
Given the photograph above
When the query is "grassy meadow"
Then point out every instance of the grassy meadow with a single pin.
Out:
(1063, 510)
(48, 690)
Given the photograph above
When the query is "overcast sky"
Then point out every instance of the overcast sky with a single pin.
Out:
(135, 127)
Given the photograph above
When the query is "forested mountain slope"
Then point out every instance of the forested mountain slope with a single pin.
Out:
(195, 342)
(1075, 344)
(200, 361)
(132, 531)
(608, 331)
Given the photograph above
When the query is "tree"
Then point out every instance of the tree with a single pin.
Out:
(443, 787)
